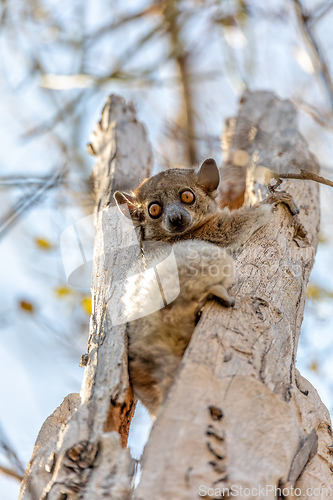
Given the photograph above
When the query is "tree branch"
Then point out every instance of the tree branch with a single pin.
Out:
(171, 15)
(315, 52)
(10, 472)
(82, 454)
(239, 414)
(27, 202)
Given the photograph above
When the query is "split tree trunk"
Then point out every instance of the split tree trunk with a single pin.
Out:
(239, 414)
(80, 450)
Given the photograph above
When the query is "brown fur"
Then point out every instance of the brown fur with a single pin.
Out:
(207, 221)
(157, 342)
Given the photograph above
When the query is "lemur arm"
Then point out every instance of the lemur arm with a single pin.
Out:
(233, 229)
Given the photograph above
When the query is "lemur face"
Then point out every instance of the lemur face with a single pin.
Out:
(172, 202)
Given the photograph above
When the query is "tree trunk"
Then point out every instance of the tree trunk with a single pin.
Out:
(83, 441)
(239, 415)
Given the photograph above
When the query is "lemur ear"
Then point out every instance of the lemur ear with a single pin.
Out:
(128, 200)
(208, 175)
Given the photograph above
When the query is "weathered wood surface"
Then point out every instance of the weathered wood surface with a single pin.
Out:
(269, 142)
(237, 414)
(88, 454)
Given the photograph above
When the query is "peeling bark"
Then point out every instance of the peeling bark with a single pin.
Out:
(239, 413)
(44, 457)
(89, 458)
(263, 429)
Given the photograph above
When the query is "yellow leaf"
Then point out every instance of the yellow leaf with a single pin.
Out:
(313, 292)
(61, 291)
(323, 239)
(87, 305)
(43, 244)
(314, 366)
(27, 306)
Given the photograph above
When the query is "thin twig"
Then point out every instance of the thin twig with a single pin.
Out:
(171, 14)
(105, 30)
(25, 203)
(313, 112)
(19, 180)
(17, 469)
(11, 473)
(61, 115)
(315, 52)
(320, 12)
(3, 12)
(307, 176)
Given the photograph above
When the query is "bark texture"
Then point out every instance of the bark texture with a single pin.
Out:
(239, 414)
(85, 438)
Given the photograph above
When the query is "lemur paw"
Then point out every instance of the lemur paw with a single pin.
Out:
(285, 198)
(219, 293)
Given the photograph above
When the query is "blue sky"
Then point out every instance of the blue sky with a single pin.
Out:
(40, 352)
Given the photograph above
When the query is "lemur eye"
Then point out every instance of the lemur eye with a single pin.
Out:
(187, 197)
(155, 210)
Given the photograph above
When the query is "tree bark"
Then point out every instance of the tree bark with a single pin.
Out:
(239, 414)
(80, 450)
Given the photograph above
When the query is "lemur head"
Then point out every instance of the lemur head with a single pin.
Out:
(173, 201)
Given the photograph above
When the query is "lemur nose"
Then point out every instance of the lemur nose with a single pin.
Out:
(176, 218)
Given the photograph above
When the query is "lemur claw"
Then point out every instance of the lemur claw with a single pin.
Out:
(285, 198)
